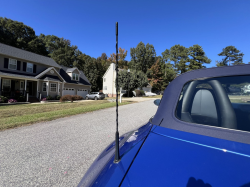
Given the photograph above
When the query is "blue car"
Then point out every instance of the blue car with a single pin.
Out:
(199, 137)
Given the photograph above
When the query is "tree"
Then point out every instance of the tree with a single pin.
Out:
(232, 54)
(60, 50)
(197, 58)
(122, 54)
(19, 35)
(179, 55)
(142, 57)
(155, 76)
(132, 80)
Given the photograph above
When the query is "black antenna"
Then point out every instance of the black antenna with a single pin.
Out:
(117, 154)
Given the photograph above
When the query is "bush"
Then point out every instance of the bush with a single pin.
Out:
(139, 93)
(12, 101)
(57, 97)
(142, 92)
(66, 98)
(77, 97)
(49, 97)
(3, 99)
(44, 99)
(21, 98)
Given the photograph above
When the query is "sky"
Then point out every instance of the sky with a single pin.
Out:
(90, 24)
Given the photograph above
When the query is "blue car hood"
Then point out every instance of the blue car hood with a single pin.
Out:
(175, 158)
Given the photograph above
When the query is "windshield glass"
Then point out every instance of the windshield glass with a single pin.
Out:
(222, 102)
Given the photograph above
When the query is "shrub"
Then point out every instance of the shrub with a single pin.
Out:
(12, 101)
(142, 92)
(57, 97)
(3, 99)
(44, 99)
(66, 98)
(138, 93)
(77, 97)
(21, 98)
(49, 97)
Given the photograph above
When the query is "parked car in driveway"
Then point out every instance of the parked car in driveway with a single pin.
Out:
(199, 136)
(95, 96)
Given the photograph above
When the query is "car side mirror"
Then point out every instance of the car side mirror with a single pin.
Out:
(157, 102)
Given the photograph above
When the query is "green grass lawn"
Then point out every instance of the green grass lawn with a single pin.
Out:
(26, 114)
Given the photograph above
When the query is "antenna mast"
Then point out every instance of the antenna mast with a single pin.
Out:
(117, 154)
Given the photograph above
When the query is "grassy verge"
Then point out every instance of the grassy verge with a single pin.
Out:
(19, 115)
(156, 96)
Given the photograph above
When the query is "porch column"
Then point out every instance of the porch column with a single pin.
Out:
(58, 88)
(62, 88)
(25, 85)
(37, 83)
(48, 88)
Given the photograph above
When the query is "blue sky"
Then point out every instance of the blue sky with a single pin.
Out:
(90, 24)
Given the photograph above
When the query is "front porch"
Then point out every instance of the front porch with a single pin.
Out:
(19, 89)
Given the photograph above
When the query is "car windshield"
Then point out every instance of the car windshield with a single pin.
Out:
(222, 102)
(93, 93)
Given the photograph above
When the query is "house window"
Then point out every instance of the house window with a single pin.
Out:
(53, 87)
(104, 79)
(12, 64)
(29, 68)
(105, 87)
(6, 85)
(44, 87)
(21, 85)
(75, 76)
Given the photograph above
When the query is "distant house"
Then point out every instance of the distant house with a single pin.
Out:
(109, 81)
(26, 73)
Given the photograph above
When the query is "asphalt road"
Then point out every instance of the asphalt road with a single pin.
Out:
(59, 152)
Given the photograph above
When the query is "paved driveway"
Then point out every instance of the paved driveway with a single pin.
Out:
(58, 153)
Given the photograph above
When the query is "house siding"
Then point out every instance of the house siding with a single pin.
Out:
(39, 67)
(110, 76)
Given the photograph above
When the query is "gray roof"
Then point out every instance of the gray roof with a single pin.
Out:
(70, 69)
(26, 55)
(66, 77)
(17, 75)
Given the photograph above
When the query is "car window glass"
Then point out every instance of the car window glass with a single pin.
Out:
(221, 102)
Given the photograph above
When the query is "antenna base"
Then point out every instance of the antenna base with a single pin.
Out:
(117, 154)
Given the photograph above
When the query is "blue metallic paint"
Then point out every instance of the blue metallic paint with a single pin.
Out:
(174, 157)
(110, 173)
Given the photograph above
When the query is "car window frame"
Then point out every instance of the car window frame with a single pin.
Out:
(165, 115)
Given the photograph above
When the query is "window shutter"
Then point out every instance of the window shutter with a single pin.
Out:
(18, 65)
(24, 66)
(6, 62)
(34, 68)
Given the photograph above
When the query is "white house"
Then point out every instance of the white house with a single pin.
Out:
(109, 82)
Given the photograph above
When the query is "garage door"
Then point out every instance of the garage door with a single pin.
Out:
(82, 92)
(68, 91)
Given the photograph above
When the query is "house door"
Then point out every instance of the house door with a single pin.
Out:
(29, 88)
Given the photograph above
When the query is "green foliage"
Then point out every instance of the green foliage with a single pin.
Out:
(232, 55)
(19, 35)
(3, 99)
(57, 97)
(132, 80)
(142, 57)
(197, 58)
(49, 97)
(21, 98)
(179, 55)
